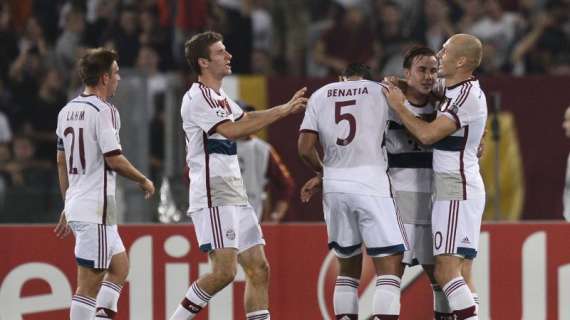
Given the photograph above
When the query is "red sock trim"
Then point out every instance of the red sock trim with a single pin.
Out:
(109, 314)
(190, 306)
(386, 317)
(350, 316)
(465, 313)
(443, 316)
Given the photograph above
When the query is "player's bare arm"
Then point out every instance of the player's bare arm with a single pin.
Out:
(427, 133)
(310, 188)
(257, 120)
(306, 146)
(123, 166)
(62, 228)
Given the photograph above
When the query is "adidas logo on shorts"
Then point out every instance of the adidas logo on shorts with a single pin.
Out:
(465, 240)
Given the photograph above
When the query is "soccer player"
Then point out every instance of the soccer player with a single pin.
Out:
(349, 119)
(226, 225)
(261, 166)
(459, 193)
(89, 157)
(410, 168)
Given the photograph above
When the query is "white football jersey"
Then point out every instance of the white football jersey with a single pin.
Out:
(88, 130)
(409, 162)
(215, 177)
(455, 162)
(350, 118)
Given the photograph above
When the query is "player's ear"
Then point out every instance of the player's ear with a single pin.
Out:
(202, 62)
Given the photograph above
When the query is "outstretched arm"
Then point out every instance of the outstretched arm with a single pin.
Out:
(257, 120)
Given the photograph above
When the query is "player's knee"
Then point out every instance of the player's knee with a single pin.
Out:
(259, 273)
(225, 275)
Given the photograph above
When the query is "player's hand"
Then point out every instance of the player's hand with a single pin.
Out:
(481, 147)
(395, 96)
(62, 229)
(148, 187)
(310, 188)
(297, 102)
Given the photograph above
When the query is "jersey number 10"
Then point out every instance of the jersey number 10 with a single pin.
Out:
(72, 169)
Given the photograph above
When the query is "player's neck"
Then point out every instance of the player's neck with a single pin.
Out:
(415, 97)
(211, 82)
(99, 92)
(457, 78)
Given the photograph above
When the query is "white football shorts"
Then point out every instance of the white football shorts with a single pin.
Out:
(227, 227)
(96, 244)
(421, 245)
(456, 226)
(352, 219)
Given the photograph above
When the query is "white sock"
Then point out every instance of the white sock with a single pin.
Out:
(258, 315)
(107, 300)
(345, 297)
(82, 308)
(194, 301)
(460, 299)
(386, 303)
(440, 305)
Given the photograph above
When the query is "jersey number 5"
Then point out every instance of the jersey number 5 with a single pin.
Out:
(72, 169)
(339, 116)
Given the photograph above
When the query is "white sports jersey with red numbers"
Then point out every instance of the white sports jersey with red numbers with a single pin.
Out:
(88, 130)
(350, 118)
(455, 162)
(215, 177)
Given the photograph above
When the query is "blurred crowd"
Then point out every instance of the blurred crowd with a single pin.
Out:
(42, 39)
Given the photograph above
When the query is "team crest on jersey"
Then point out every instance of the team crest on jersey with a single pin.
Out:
(454, 108)
(230, 234)
(222, 113)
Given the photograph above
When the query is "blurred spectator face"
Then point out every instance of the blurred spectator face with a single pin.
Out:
(566, 122)
(5, 153)
(391, 15)
(23, 149)
(147, 59)
(53, 80)
(353, 17)
(472, 8)
(261, 62)
(75, 22)
(147, 21)
(494, 9)
(4, 16)
(128, 22)
(33, 29)
(422, 74)
(435, 10)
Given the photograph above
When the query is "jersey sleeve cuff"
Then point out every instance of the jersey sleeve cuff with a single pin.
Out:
(308, 131)
(112, 153)
(240, 116)
(453, 116)
(213, 128)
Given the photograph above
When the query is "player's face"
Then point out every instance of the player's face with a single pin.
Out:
(446, 60)
(566, 122)
(422, 74)
(114, 78)
(219, 63)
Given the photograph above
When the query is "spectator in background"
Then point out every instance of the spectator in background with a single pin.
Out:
(262, 168)
(391, 37)
(147, 63)
(238, 33)
(99, 17)
(23, 80)
(262, 24)
(70, 40)
(435, 25)
(152, 35)
(546, 47)
(38, 126)
(8, 39)
(499, 30)
(471, 11)
(125, 38)
(350, 38)
(566, 197)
